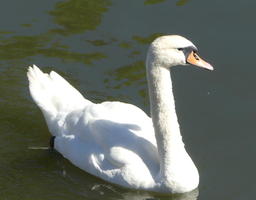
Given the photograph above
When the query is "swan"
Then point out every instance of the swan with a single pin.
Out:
(117, 141)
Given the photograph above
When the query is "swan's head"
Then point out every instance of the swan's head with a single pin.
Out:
(171, 50)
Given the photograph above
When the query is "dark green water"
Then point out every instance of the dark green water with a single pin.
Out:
(100, 47)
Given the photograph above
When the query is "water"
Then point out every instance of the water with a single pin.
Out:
(100, 47)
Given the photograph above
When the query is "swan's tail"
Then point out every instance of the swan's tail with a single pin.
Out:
(54, 96)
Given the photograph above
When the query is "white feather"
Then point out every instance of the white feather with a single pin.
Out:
(116, 141)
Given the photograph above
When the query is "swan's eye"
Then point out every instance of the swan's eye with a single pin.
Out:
(196, 56)
(180, 49)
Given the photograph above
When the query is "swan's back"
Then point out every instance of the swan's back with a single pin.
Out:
(111, 140)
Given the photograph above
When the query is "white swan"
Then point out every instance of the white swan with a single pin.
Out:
(117, 141)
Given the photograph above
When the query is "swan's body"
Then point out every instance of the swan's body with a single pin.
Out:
(116, 141)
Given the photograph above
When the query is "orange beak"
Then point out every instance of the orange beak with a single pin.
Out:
(194, 59)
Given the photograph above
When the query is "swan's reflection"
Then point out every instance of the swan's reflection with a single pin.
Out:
(106, 190)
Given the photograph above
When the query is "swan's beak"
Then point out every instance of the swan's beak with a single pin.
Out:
(194, 59)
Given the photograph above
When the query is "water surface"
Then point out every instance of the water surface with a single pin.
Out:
(99, 46)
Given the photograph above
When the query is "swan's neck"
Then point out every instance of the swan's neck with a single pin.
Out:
(169, 141)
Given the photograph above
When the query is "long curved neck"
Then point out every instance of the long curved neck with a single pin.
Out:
(163, 113)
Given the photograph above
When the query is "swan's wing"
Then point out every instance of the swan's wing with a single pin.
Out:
(123, 143)
(112, 137)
